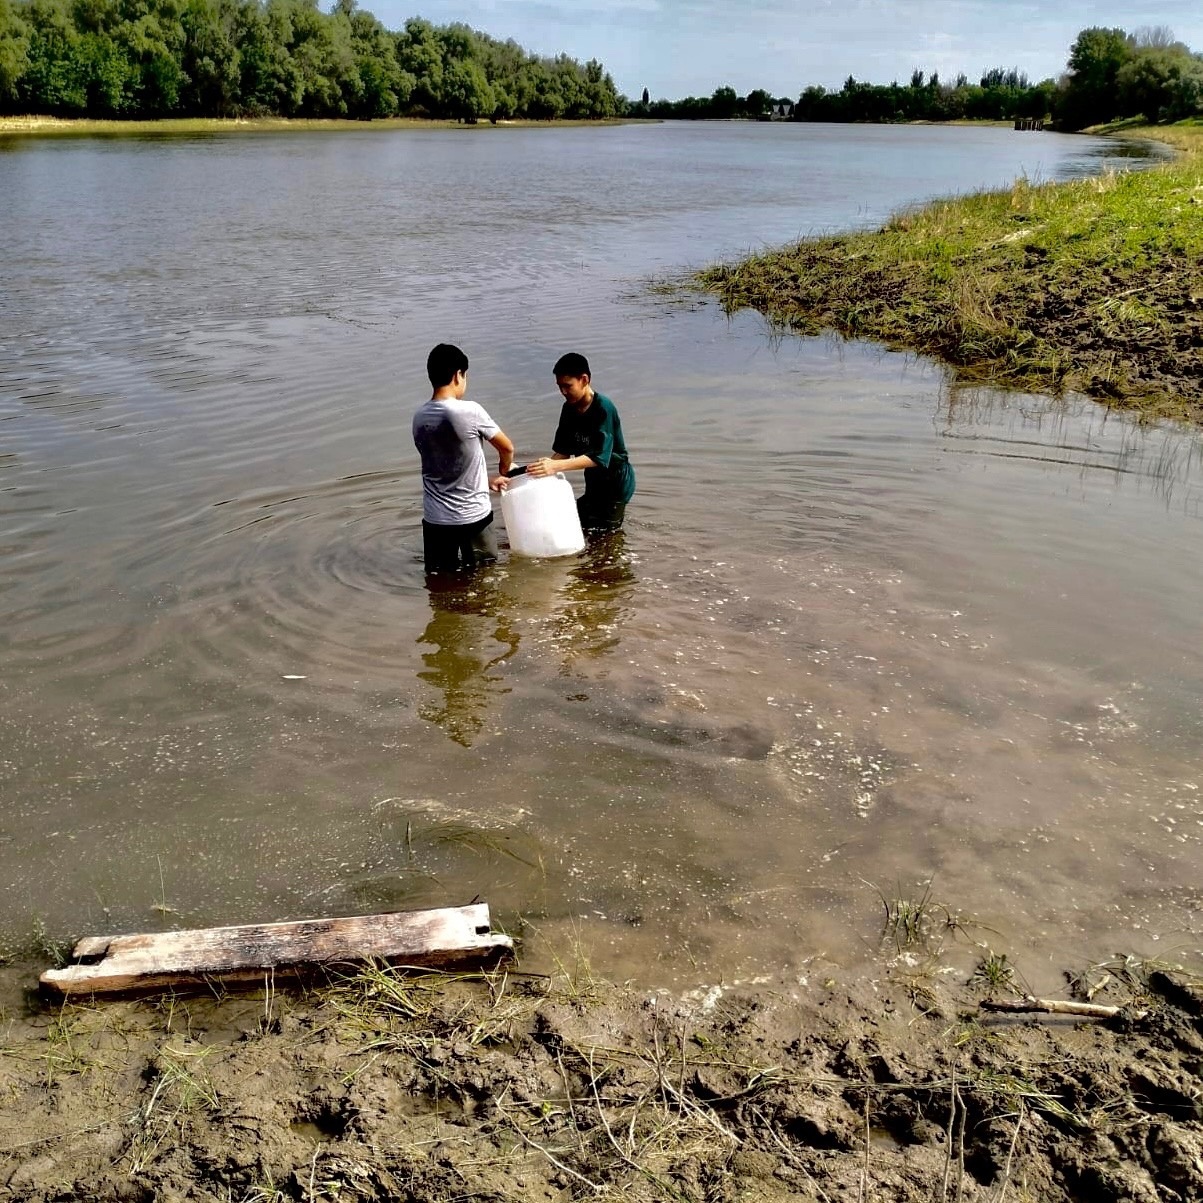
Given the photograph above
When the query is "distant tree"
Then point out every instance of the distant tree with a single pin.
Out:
(1188, 93)
(321, 63)
(757, 102)
(524, 88)
(1003, 77)
(384, 88)
(547, 102)
(646, 97)
(210, 58)
(811, 105)
(263, 69)
(1158, 83)
(1090, 94)
(466, 92)
(1153, 37)
(53, 82)
(14, 54)
(724, 103)
(420, 55)
(1038, 100)
(570, 88)
(600, 96)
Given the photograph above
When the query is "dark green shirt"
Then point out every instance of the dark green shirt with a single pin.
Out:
(597, 433)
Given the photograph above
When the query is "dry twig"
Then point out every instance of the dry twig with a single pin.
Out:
(1056, 1006)
(1006, 1174)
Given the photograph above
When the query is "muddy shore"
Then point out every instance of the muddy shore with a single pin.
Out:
(525, 1087)
(1090, 286)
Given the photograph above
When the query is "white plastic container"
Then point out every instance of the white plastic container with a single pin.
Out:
(540, 516)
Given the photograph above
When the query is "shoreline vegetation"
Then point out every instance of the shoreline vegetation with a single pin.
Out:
(1092, 285)
(65, 126)
(41, 124)
(387, 1086)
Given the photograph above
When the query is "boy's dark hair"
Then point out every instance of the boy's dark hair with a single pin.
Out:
(572, 364)
(443, 362)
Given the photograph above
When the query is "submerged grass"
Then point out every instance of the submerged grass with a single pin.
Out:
(1093, 285)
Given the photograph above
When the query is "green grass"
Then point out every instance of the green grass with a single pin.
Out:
(1093, 285)
(993, 972)
(34, 945)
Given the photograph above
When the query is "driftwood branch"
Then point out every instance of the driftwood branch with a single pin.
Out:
(174, 960)
(1055, 1006)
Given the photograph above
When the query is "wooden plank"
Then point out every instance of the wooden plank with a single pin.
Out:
(162, 960)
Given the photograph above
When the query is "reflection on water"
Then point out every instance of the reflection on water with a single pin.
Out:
(477, 619)
(471, 633)
(1121, 151)
(595, 598)
(859, 627)
(1050, 431)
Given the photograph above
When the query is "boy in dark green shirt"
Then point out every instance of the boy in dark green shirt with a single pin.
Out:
(589, 436)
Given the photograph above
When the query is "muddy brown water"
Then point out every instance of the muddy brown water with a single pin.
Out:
(864, 630)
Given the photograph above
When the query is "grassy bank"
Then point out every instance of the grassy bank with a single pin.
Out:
(1093, 285)
(223, 125)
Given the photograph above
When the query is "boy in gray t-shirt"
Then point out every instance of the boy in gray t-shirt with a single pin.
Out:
(448, 433)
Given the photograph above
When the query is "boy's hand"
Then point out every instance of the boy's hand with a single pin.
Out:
(542, 467)
(499, 484)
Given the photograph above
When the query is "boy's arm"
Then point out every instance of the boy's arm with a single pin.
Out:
(505, 458)
(549, 465)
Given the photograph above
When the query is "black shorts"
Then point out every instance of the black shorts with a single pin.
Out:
(599, 513)
(458, 548)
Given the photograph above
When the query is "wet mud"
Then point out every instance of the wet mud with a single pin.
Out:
(528, 1087)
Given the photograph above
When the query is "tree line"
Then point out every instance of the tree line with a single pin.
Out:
(229, 58)
(1110, 75)
(724, 105)
(1001, 94)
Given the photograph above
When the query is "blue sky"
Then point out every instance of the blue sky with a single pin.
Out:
(689, 47)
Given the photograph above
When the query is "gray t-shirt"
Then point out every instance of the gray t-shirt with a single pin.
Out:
(455, 484)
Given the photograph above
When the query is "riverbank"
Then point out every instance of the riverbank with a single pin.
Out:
(1091, 285)
(64, 126)
(525, 1087)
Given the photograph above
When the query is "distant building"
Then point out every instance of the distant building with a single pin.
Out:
(782, 110)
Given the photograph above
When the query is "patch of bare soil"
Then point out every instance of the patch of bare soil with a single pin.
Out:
(384, 1087)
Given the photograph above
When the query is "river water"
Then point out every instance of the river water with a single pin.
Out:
(864, 630)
